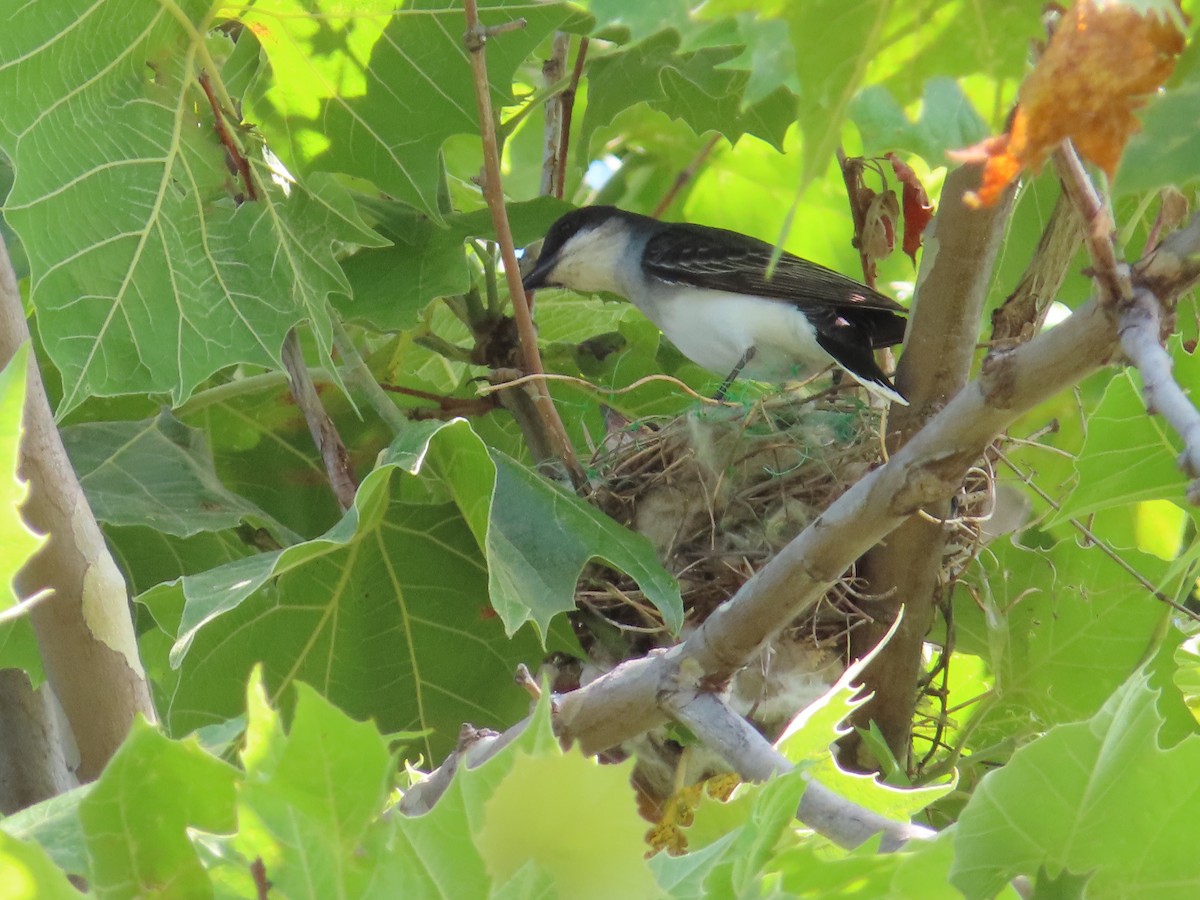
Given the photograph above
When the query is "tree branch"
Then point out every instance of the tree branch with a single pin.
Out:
(556, 435)
(320, 426)
(1021, 315)
(1140, 329)
(623, 703)
(956, 271)
(84, 631)
(750, 755)
(552, 160)
(1140, 310)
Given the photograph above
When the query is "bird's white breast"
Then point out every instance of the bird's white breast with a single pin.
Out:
(715, 328)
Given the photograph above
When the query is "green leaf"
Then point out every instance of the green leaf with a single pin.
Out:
(808, 737)
(1055, 805)
(54, 825)
(538, 537)
(156, 473)
(310, 798)
(164, 278)
(1162, 154)
(377, 92)
(137, 818)
(393, 284)
(1061, 629)
(686, 86)
(598, 856)
(27, 873)
(393, 595)
(921, 869)
(1129, 455)
(834, 41)
(630, 21)
(947, 121)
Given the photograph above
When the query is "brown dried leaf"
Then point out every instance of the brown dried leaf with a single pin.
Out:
(1104, 59)
(918, 211)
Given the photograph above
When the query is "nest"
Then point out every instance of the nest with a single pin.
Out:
(718, 493)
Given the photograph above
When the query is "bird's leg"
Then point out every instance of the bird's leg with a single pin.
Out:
(737, 370)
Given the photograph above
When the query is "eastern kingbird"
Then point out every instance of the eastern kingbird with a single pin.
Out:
(708, 290)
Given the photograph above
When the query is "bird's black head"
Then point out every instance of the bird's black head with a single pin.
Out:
(575, 223)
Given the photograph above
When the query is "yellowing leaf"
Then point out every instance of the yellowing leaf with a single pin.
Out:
(577, 820)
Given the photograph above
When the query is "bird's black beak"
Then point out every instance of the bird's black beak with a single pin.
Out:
(539, 273)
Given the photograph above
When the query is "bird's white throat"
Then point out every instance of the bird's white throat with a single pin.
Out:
(595, 260)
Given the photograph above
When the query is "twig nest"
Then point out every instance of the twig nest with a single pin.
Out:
(719, 492)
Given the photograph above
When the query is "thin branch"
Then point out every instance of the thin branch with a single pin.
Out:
(1022, 314)
(552, 71)
(738, 743)
(320, 426)
(1112, 277)
(556, 435)
(356, 373)
(1140, 329)
(234, 156)
(686, 175)
(568, 109)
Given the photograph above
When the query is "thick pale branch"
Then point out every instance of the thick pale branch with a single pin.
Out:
(956, 270)
(84, 629)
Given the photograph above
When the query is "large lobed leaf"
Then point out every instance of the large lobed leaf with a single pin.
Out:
(391, 85)
(388, 613)
(1104, 798)
(148, 274)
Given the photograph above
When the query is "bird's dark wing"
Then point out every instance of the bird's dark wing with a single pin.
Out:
(728, 261)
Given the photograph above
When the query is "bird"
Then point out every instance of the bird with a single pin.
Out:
(709, 290)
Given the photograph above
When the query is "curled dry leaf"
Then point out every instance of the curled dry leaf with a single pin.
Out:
(918, 211)
(879, 225)
(1105, 57)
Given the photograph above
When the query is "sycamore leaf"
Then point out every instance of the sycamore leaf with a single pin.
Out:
(157, 473)
(376, 91)
(28, 873)
(311, 797)
(1054, 805)
(1127, 454)
(538, 537)
(686, 86)
(587, 834)
(136, 818)
(164, 276)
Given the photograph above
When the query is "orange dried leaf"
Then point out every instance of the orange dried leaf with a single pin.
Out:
(1104, 59)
